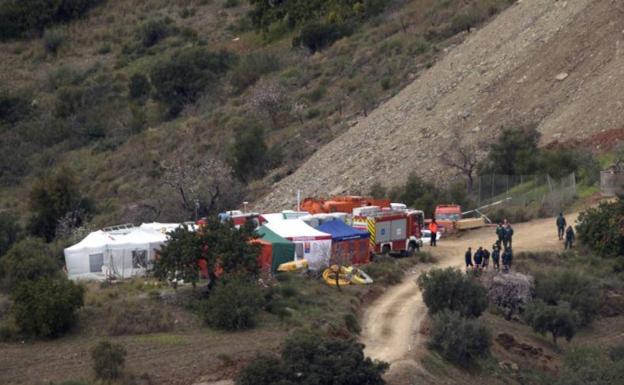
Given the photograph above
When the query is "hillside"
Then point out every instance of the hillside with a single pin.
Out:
(557, 64)
(121, 94)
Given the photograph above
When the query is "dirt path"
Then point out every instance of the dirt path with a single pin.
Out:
(391, 324)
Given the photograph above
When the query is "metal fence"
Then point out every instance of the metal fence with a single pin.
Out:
(550, 194)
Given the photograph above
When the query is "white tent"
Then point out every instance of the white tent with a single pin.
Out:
(311, 244)
(102, 255)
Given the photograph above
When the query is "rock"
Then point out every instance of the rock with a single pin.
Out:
(476, 129)
(508, 365)
(505, 340)
(562, 76)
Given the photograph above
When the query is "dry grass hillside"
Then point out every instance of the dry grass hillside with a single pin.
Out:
(557, 64)
(70, 87)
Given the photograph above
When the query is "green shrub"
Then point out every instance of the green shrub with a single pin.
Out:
(181, 79)
(317, 36)
(352, 324)
(616, 353)
(601, 228)
(18, 17)
(52, 40)
(10, 232)
(251, 156)
(139, 87)
(385, 271)
(589, 365)
(514, 153)
(450, 289)
(136, 318)
(233, 305)
(46, 307)
(457, 339)
(558, 320)
(308, 358)
(108, 360)
(13, 108)
(54, 197)
(251, 68)
(580, 292)
(152, 31)
(28, 260)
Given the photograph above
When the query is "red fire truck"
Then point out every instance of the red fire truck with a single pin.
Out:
(391, 231)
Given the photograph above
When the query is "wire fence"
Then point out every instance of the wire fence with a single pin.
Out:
(549, 194)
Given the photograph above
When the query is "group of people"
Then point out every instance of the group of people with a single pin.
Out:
(563, 232)
(501, 251)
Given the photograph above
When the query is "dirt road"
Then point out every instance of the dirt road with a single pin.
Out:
(391, 324)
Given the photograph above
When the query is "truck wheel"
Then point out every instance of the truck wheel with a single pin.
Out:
(411, 249)
(385, 250)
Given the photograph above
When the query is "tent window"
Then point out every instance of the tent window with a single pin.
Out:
(96, 261)
(299, 250)
(139, 259)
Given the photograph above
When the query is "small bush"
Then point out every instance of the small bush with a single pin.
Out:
(352, 323)
(616, 353)
(10, 232)
(589, 365)
(309, 358)
(234, 305)
(385, 270)
(601, 228)
(46, 307)
(559, 320)
(317, 36)
(139, 87)
(13, 108)
(134, 318)
(152, 31)
(182, 79)
(457, 339)
(108, 360)
(579, 291)
(28, 260)
(52, 40)
(251, 68)
(450, 289)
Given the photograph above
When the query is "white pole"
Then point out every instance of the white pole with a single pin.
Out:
(298, 201)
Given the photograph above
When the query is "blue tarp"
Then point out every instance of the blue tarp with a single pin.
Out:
(340, 231)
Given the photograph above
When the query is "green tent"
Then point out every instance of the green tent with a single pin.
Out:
(283, 249)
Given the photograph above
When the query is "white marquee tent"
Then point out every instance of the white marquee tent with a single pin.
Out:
(311, 244)
(103, 255)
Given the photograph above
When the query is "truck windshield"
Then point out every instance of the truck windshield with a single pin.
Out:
(448, 217)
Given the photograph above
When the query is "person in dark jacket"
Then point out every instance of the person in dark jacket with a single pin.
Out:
(478, 258)
(468, 257)
(561, 224)
(508, 235)
(507, 259)
(486, 259)
(569, 238)
(496, 256)
(500, 233)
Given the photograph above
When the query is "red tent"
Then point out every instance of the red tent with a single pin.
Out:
(265, 258)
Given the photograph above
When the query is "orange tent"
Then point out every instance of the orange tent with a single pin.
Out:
(265, 258)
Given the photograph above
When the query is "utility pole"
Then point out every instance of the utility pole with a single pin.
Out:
(196, 209)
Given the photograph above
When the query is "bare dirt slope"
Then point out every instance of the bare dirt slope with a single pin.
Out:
(559, 64)
(392, 323)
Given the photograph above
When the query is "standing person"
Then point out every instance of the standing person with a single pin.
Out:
(496, 256)
(433, 228)
(468, 258)
(561, 224)
(507, 259)
(486, 259)
(478, 258)
(569, 238)
(508, 236)
(500, 232)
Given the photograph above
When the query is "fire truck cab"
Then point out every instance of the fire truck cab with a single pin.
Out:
(391, 231)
